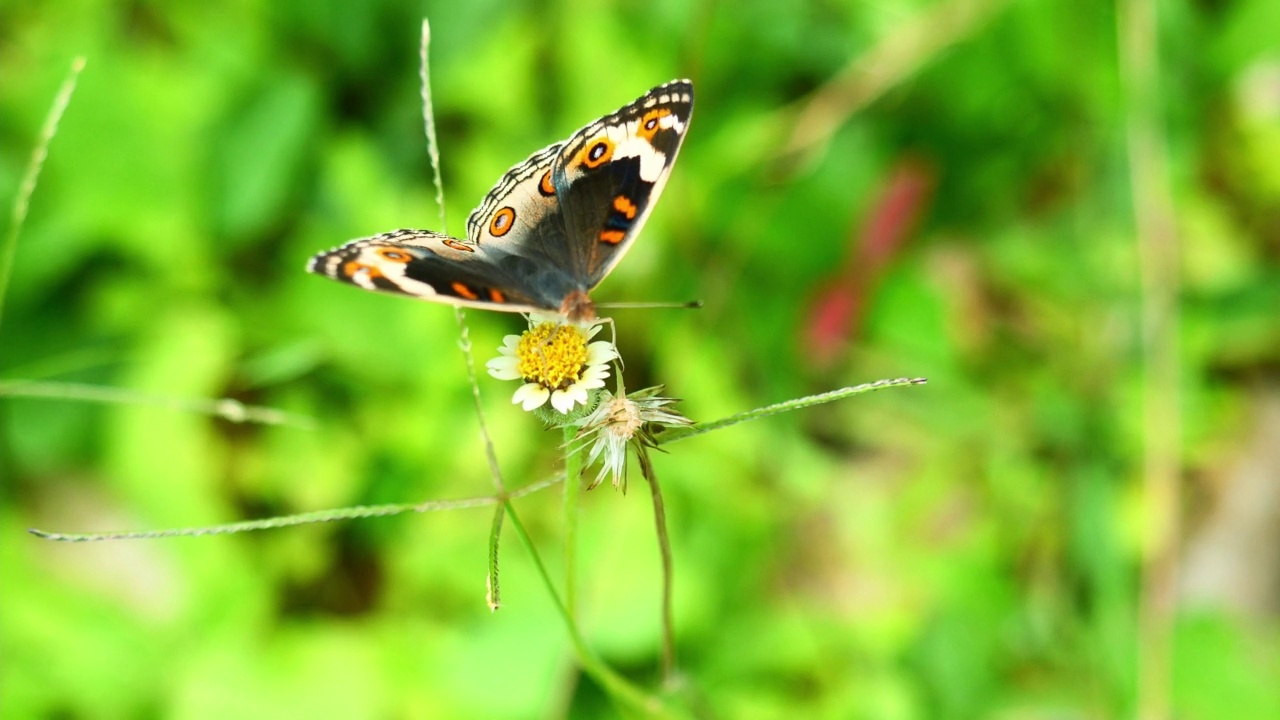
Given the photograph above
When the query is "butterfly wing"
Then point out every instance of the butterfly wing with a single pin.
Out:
(578, 205)
(551, 228)
(521, 212)
(508, 261)
(432, 266)
(610, 173)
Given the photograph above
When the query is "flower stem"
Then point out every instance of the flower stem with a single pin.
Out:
(614, 684)
(668, 573)
(572, 494)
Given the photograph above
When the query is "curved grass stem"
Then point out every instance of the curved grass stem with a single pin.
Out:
(618, 687)
(668, 568)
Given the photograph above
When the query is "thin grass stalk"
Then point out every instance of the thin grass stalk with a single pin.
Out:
(670, 436)
(1158, 254)
(31, 176)
(227, 409)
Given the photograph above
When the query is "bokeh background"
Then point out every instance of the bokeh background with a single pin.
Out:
(1065, 215)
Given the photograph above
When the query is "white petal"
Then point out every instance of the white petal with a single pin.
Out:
(587, 383)
(577, 393)
(565, 399)
(591, 330)
(561, 401)
(600, 351)
(504, 368)
(595, 372)
(532, 395)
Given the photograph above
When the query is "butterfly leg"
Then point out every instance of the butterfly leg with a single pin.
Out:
(613, 340)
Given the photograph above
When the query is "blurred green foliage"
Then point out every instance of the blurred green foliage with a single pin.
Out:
(971, 548)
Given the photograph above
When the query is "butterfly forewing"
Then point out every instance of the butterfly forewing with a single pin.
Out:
(522, 200)
(610, 174)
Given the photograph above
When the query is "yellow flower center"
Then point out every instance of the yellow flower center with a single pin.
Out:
(552, 355)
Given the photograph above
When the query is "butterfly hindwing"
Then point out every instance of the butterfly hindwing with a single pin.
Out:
(431, 266)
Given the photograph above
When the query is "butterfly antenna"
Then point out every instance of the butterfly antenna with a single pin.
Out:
(691, 305)
(613, 327)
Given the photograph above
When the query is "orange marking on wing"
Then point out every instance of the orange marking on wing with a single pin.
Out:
(464, 291)
(596, 153)
(497, 296)
(613, 237)
(502, 222)
(545, 186)
(393, 255)
(650, 123)
(352, 267)
(450, 242)
(624, 205)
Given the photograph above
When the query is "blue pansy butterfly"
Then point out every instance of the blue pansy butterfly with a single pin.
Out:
(549, 231)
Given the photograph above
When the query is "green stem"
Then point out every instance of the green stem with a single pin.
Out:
(614, 684)
(492, 596)
(572, 495)
(668, 568)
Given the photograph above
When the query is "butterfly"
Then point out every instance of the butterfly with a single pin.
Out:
(551, 229)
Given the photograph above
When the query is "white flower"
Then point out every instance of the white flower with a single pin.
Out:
(556, 363)
(619, 421)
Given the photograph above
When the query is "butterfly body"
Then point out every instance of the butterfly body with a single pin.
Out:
(550, 230)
